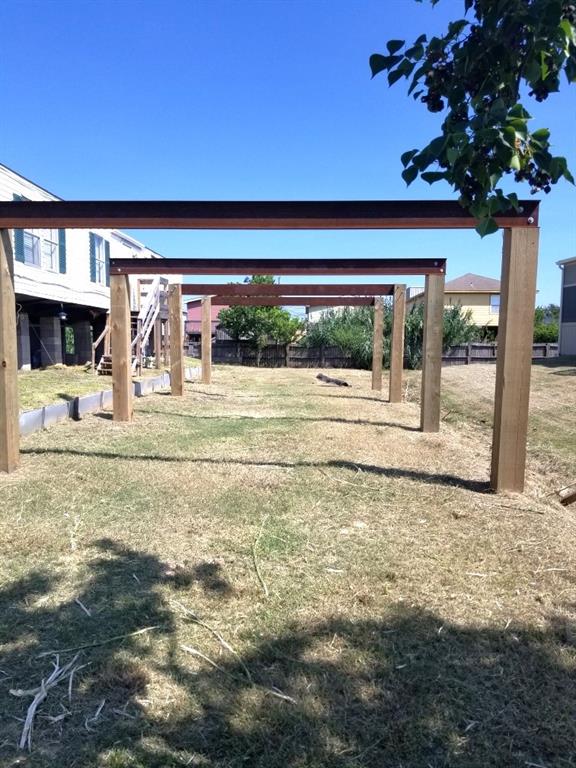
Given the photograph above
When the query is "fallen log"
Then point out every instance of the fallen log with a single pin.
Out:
(330, 380)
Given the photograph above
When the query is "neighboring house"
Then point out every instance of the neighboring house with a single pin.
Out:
(193, 326)
(567, 340)
(61, 280)
(475, 293)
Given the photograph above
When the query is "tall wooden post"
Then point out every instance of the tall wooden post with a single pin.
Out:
(176, 340)
(158, 343)
(206, 340)
(397, 344)
(377, 343)
(513, 365)
(432, 353)
(121, 348)
(9, 423)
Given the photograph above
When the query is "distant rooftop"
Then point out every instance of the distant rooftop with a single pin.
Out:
(472, 283)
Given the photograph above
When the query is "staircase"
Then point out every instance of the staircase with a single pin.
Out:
(141, 327)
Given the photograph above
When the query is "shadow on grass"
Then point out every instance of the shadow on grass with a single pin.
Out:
(406, 690)
(479, 486)
(333, 419)
(559, 362)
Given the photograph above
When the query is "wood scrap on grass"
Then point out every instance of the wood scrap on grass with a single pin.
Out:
(331, 380)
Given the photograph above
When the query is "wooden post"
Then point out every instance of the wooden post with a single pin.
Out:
(166, 343)
(158, 343)
(176, 340)
(377, 343)
(206, 340)
(9, 422)
(432, 353)
(121, 348)
(513, 365)
(397, 344)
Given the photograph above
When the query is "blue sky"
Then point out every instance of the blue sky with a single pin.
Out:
(243, 99)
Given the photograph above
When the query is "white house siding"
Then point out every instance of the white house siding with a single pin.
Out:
(568, 309)
(41, 292)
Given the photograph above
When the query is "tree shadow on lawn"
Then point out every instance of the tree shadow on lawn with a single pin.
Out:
(406, 690)
(433, 478)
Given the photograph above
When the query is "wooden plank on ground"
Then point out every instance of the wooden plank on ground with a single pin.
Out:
(9, 426)
(377, 344)
(206, 340)
(121, 349)
(432, 353)
(514, 359)
(176, 340)
(397, 344)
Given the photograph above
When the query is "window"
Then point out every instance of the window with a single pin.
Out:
(495, 303)
(31, 248)
(99, 260)
(41, 248)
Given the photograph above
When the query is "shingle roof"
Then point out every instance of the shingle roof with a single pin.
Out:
(470, 282)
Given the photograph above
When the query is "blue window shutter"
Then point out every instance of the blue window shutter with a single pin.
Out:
(92, 258)
(18, 237)
(107, 255)
(62, 251)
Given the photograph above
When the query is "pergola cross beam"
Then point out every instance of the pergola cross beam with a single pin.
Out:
(292, 289)
(316, 266)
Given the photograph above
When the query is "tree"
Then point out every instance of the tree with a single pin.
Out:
(475, 74)
(259, 325)
(352, 330)
(546, 324)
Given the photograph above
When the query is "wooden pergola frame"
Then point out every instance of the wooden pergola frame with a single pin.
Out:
(258, 294)
(518, 290)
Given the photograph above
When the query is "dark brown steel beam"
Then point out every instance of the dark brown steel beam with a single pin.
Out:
(278, 266)
(254, 289)
(338, 214)
(294, 301)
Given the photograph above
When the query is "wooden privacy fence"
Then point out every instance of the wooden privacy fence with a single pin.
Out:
(275, 355)
(296, 356)
(468, 354)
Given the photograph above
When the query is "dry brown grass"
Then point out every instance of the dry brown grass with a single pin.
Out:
(414, 618)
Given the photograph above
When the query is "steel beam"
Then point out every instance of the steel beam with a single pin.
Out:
(175, 266)
(268, 214)
(255, 289)
(295, 301)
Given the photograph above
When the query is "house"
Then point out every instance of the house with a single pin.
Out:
(567, 340)
(61, 281)
(474, 293)
(193, 325)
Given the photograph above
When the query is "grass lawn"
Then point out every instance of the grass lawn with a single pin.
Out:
(52, 385)
(276, 573)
